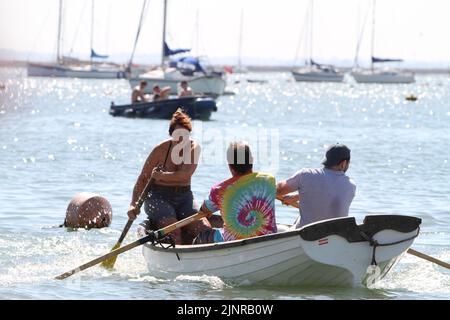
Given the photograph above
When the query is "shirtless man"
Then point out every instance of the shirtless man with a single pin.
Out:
(138, 94)
(160, 94)
(185, 91)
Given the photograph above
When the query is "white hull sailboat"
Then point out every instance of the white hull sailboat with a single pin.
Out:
(314, 74)
(312, 71)
(376, 75)
(335, 252)
(200, 84)
(200, 81)
(74, 71)
(380, 76)
(73, 68)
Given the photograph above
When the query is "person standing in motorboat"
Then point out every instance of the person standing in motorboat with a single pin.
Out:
(185, 90)
(138, 94)
(171, 165)
(246, 201)
(323, 193)
(160, 94)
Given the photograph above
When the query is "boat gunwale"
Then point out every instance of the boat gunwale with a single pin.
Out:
(147, 104)
(414, 224)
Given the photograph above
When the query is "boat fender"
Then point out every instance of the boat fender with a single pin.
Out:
(88, 210)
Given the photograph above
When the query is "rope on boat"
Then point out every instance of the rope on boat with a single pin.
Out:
(374, 243)
(169, 241)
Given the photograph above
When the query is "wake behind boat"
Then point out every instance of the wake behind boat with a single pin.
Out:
(196, 107)
(335, 252)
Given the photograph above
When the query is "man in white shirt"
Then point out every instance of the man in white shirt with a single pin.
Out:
(323, 193)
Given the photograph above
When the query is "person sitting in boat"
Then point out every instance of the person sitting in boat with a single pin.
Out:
(171, 165)
(246, 201)
(160, 94)
(323, 193)
(138, 94)
(185, 90)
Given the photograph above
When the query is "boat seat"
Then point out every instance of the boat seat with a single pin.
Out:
(345, 227)
(375, 223)
(348, 229)
(283, 228)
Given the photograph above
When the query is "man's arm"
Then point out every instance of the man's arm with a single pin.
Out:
(211, 204)
(134, 96)
(283, 187)
(165, 92)
(204, 209)
(142, 95)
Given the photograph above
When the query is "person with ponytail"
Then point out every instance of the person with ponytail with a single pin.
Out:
(170, 167)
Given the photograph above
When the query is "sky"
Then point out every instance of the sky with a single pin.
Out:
(273, 31)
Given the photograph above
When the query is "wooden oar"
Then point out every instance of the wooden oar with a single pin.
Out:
(155, 235)
(428, 258)
(109, 264)
(410, 251)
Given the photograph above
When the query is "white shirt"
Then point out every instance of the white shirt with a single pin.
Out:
(324, 194)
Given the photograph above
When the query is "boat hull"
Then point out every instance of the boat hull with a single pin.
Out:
(49, 70)
(383, 77)
(196, 107)
(292, 258)
(208, 85)
(311, 76)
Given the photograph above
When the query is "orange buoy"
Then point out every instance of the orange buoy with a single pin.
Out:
(88, 210)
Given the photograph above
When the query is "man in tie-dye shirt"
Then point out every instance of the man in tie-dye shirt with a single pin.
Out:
(246, 201)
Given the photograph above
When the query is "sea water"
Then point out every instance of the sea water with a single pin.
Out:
(57, 139)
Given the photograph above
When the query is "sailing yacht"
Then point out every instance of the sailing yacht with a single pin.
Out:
(74, 68)
(313, 71)
(240, 68)
(172, 72)
(377, 75)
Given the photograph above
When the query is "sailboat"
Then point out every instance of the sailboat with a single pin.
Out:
(376, 75)
(240, 68)
(74, 68)
(172, 72)
(313, 71)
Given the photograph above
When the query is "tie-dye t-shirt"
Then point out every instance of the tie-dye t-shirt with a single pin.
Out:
(247, 205)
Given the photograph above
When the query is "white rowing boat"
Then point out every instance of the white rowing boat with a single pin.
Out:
(335, 252)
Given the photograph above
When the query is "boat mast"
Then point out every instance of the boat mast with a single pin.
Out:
(360, 36)
(92, 28)
(197, 33)
(164, 33)
(141, 21)
(240, 41)
(59, 40)
(373, 34)
(311, 32)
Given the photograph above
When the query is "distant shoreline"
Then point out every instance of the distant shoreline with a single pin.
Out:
(257, 68)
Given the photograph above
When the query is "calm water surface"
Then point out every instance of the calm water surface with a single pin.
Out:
(57, 139)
